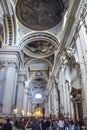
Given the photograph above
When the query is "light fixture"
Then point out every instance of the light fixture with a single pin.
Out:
(23, 113)
(29, 114)
(15, 111)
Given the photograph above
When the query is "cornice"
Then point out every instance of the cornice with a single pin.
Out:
(11, 51)
(10, 56)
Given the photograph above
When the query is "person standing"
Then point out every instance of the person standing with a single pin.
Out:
(35, 125)
(61, 124)
(7, 125)
(47, 124)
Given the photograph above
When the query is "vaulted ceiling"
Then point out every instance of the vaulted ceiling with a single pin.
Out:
(40, 19)
(39, 31)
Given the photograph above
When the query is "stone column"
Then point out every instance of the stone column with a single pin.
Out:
(48, 102)
(3, 72)
(9, 64)
(61, 91)
(25, 102)
(64, 63)
(20, 92)
(29, 110)
(83, 72)
(9, 85)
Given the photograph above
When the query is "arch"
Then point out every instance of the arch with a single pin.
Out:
(33, 36)
(9, 30)
(38, 61)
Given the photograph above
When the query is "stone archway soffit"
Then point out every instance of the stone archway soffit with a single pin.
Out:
(39, 36)
(7, 7)
(38, 61)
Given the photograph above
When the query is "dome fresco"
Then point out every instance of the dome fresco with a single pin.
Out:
(39, 14)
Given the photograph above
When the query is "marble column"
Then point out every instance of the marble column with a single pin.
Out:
(61, 91)
(48, 102)
(83, 41)
(29, 110)
(3, 72)
(25, 102)
(72, 107)
(20, 93)
(64, 91)
(67, 87)
(83, 72)
(9, 84)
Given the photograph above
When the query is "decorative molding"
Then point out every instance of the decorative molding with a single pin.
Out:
(10, 58)
(22, 30)
(38, 61)
(9, 24)
(34, 36)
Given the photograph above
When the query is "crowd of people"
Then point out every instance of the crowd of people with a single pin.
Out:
(41, 124)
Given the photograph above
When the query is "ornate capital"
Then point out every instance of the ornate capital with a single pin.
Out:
(84, 10)
(7, 64)
(8, 57)
(21, 77)
(70, 53)
(64, 60)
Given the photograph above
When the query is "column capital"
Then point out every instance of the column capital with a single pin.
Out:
(22, 74)
(26, 90)
(84, 9)
(9, 59)
(11, 54)
(64, 61)
(21, 77)
(8, 63)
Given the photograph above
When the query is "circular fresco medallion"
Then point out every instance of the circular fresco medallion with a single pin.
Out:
(39, 49)
(39, 14)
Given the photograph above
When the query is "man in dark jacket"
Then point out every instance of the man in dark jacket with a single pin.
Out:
(35, 125)
(7, 125)
(47, 124)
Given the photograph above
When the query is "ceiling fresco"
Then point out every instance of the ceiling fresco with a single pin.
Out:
(39, 48)
(39, 14)
(39, 80)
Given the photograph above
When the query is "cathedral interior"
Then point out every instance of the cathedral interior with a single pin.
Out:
(43, 58)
